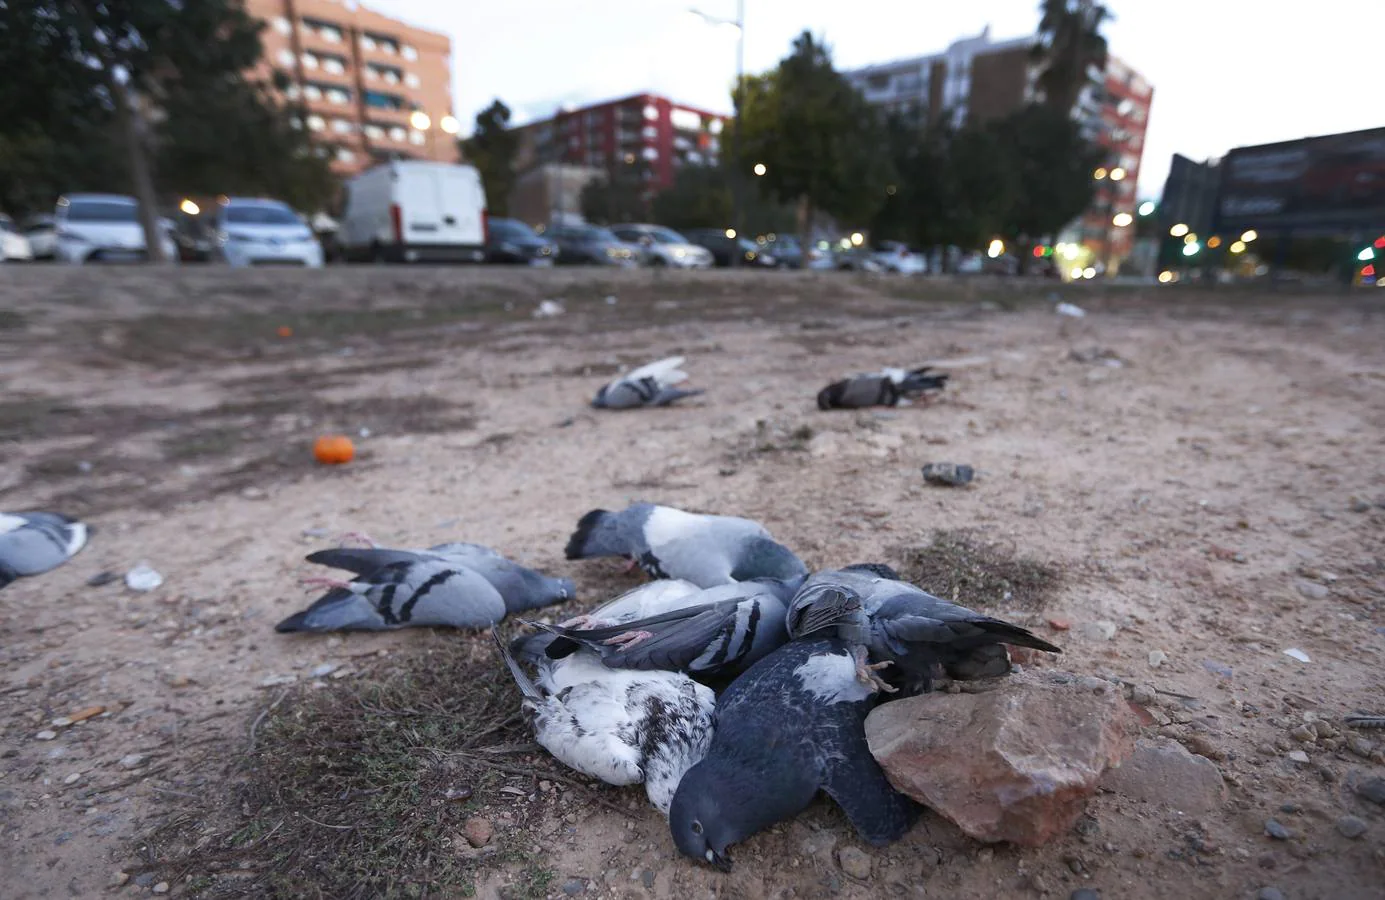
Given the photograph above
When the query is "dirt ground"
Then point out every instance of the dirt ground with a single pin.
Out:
(1201, 473)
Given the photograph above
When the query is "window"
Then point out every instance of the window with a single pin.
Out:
(367, 42)
(714, 126)
(397, 134)
(334, 65)
(380, 100)
(650, 132)
(309, 61)
(650, 154)
(338, 96)
(292, 92)
(374, 132)
(259, 214)
(344, 155)
(282, 26)
(410, 53)
(330, 33)
(312, 92)
(316, 123)
(685, 119)
(102, 211)
(411, 80)
(286, 58)
(416, 137)
(341, 126)
(651, 112)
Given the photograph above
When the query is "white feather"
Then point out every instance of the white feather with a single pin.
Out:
(9, 523)
(831, 677)
(665, 372)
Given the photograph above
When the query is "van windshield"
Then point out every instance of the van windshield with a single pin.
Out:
(259, 214)
(102, 211)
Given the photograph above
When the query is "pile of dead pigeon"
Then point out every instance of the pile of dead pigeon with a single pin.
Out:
(734, 685)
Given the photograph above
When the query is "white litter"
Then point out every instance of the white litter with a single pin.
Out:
(143, 578)
(549, 308)
(1295, 653)
(1068, 309)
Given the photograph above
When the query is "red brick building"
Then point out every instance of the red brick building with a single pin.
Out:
(650, 133)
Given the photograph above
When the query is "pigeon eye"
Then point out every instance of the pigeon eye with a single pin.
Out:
(696, 827)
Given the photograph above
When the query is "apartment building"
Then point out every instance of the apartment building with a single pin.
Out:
(362, 79)
(650, 133)
(976, 79)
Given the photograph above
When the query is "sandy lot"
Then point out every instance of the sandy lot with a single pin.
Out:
(1201, 472)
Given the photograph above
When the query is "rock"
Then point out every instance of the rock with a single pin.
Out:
(457, 794)
(276, 680)
(854, 862)
(1163, 771)
(1059, 624)
(1312, 590)
(119, 879)
(478, 831)
(1360, 746)
(46, 735)
(132, 761)
(1304, 734)
(1270, 893)
(573, 886)
(948, 474)
(1012, 764)
(1297, 756)
(1085, 894)
(1276, 830)
(1204, 747)
(73, 778)
(1098, 631)
(1157, 658)
(324, 670)
(1372, 789)
(1351, 827)
(102, 578)
(160, 888)
(1144, 695)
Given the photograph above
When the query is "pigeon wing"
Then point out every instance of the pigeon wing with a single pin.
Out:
(855, 781)
(361, 560)
(675, 639)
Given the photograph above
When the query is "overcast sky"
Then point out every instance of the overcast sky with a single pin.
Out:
(1226, 73)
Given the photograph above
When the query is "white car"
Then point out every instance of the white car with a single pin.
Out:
(415, 211)
(13, 245)
(893, 256)
(664, 247)
(42, 232)
(104, 228)
(253, 232)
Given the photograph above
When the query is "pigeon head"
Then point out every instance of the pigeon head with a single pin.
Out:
(764, 558)
(880, 570)
(706, 818)
(822, 606)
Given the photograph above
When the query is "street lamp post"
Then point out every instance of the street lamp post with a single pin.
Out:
(739, 24)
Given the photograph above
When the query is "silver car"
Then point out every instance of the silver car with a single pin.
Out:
(662, 246)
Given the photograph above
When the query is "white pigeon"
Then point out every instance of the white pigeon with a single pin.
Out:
(649, 385)
(623, 726)
(34, 542)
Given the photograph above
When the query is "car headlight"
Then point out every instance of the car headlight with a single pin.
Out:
(679, 253)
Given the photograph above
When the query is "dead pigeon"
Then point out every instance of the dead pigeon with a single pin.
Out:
(34, 542)
(619, 725)
(884, 388)
(729, 628)
(456, 585)
(792, 725)
(670, 543)
(906, 630)
(649, 385)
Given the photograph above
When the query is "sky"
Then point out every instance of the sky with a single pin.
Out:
(1226, 73)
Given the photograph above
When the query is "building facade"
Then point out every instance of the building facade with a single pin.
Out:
(976, 79)
(651, 134)
(360, 77)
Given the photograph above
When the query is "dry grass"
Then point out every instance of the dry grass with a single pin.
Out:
(960, 567)
(344, 791)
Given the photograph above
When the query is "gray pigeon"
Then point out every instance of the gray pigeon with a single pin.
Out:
(522, 587)
(34, 542)
(649, 385)
(883, 388)
(670, 543)
(618, 725)
(906, 630)
(456, 585)
(792, 725)
(729, 628)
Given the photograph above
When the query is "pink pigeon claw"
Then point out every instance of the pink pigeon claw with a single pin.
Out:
(315, 581)
(628, 639)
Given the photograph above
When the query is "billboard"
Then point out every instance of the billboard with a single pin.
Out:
(1332, 184)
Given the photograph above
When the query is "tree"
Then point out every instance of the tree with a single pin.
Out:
(820, 142)
(618, 197)
(700, 197)
(1069, 42)
(1052, 164)
(491, 149)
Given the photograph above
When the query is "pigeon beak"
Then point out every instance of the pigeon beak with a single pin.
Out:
(721, 860)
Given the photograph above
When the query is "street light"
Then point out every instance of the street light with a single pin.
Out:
(857, 239)
(760, 169)
(1117, 174)
(1238, 247)
(1249, 236)
(1178, 230)
(1122, 219)
(1099, 174)
(1191, 248)
(189, 207)
(1147, 207)
(419, 119)
(739, 24)
(997, 247)
(1213, 242)
(731, 234)
(450, 124)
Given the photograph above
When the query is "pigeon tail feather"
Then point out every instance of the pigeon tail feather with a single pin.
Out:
(527, 687)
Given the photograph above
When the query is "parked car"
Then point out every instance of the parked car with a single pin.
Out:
(664, 247)
(14, 245)
(254, 232)
(788, 250)
(512, 241)
(42, 232)
(412, 211)
(194, 236)
(854, 259)
(892, 256)
(590, 244)
(723, 248)
(105, 228)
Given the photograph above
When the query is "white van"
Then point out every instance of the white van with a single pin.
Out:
(414, 211)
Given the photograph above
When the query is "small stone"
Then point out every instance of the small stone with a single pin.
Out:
(1059, 624)
(1085, 894)
(457, 794)
(73, 778)
(1351, 827)
(119, 879)
(1143, 694)
(1303, 733)
(102, 578)
(1372, 789)
(324, 670)
(1098, 631)
(1298, 756)
(46, 735)
(854, 862)
(179, 681)
(1359, 505)
(1274, 829)
(647, 879)
(161, 887)
(1360, 746)
(948, 474)
(276, 680)
(478, 831)
(1312, 590)
(1162, 771)
(1157, 658)
(132, 761)
(61, 722)
(573, 886)
(1270, 893)
(1204, 747)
